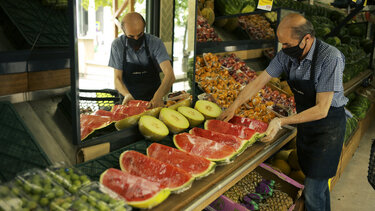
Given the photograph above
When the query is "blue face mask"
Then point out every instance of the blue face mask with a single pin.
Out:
(295, 51)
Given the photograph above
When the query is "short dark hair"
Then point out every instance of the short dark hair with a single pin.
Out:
(299, 32)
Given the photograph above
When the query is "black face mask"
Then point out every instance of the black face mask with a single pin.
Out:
(136, 44)
(295, 51)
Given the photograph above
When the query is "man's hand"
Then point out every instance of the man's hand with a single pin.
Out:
(227, 114)
(273, 127)
(127, 98)
(156, 102)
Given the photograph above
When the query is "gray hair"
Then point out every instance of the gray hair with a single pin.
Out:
(299, 32)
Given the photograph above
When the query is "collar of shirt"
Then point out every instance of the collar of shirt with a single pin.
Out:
(309, 55)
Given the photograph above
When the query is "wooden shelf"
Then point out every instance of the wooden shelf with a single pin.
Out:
(208, 189)
(354, 82)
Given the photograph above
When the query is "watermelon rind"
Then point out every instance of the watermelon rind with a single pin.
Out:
(101, 127)
(205, 173)
(186, 102)
(149, 133)
(221, 161)
(146, 204)
(178, 189)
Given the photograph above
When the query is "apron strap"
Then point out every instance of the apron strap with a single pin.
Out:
(124, 53)
(314, 59)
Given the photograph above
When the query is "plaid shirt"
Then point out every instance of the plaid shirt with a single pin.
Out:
(329, 70)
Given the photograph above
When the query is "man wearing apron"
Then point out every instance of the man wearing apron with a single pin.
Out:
(314, 70)
(137, 59)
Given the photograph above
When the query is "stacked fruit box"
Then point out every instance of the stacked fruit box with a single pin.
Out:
(257, 27)
(205, 32)
(55, 188)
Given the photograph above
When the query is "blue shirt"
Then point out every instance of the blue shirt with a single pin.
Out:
(155, 45)
(329, 70)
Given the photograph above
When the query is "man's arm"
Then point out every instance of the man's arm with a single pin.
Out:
(120, 86)
(319, 111)
(165, 85)
(247, 93)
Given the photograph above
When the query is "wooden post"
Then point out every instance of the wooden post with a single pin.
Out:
(117, 12)
(132, 3)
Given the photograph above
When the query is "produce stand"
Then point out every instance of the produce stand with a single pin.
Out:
(355, 82)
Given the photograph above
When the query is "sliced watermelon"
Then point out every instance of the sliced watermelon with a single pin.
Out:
(253, 124)
(103, 113)
(203, 147)
(138, 103)
(196, 166)
(236, 143)
(232, 129)
(137, 191)
(121, 112)
(90, 123)
(168, 176)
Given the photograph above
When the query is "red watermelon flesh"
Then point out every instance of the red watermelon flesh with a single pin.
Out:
(103, 113)
(226, 139)
(89, 123)
(203, 147)
(130, 187)
(254, 124)
(154, 170)
(138, 103)
(229, 128)
(121, 112)
(194, 165)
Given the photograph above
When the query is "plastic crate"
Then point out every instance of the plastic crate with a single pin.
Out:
(94, 168)
(18, 149)
(46, 24)
(371, 166)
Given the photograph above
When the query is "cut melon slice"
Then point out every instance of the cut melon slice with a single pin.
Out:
(175, 121)
(236, 143)
(253, 124)
(137, 191)
(232, 129)
(185, 102)
(203, 147)
(196, 166)
(152, 128)
(195, 117)
(133, 120)
(209, 109)
(168, 176)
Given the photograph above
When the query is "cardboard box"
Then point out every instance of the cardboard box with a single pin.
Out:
(287, 185)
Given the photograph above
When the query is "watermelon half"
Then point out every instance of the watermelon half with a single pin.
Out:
(196, 166)
(121, 111)
(138, 103)
(253, 124)
(90, 123)
(168, 176)
(232, 129)
(136, 191)
(203, 147)
(236, 143)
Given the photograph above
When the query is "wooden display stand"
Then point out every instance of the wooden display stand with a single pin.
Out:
(349, 149)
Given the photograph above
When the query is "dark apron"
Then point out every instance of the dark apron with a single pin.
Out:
(141, 81)
(319, 143)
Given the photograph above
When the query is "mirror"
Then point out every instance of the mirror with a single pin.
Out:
(96, 30)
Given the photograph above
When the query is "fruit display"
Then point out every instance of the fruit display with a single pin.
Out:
(152, 128)
(239, 145)
(40, 188)
(168, 176)
(204, 147)
(257, 27)
(205, 32)
(196, 166)
(147, 195)
(68, 177)
(133, 119)
(244, 186)
(359, 106)
(12, 198)
(180, 98)
(237, 68)
(174, 120)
